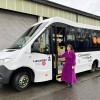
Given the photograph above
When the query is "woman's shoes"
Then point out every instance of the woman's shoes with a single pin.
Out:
(69, 85)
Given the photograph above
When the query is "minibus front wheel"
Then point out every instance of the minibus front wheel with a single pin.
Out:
(21, 81)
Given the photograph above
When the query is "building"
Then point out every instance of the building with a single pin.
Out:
(16, 16)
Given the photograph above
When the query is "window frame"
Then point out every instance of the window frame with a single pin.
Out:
(38, 38)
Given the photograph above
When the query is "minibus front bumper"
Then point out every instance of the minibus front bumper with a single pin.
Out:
(4, 74)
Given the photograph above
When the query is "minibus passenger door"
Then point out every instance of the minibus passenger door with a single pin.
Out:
(58, 48)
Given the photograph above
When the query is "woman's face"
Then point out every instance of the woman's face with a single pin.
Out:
(68, 48)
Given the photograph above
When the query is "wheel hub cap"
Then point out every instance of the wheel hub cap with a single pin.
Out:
(23, 81)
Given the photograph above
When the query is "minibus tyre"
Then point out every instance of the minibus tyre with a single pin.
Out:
(94, 66)
(21, 81)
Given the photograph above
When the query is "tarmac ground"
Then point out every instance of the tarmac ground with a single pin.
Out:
(87, 88)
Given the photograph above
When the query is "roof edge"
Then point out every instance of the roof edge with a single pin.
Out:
(66, 8)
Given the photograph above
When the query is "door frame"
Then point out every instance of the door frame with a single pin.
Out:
(55, 70)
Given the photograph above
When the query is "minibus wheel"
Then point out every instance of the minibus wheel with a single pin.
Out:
(94, 66)
(21, 81)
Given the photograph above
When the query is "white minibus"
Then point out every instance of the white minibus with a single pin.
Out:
(33, 57)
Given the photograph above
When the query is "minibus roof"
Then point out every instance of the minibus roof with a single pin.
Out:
(74, 24)
(43, 21)
(68, 22)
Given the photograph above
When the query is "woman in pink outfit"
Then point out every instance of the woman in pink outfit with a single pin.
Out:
(68, 72)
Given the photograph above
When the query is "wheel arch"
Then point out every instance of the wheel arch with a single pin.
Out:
(96, 61)
(24, 68)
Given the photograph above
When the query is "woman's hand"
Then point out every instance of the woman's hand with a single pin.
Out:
(73, 67)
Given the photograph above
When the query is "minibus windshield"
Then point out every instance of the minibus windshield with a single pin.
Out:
(26, 36)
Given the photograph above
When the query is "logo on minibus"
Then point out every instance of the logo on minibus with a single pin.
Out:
(43, 63)
(83, 55)
(40, 62)
(49, 59)
(86, 56)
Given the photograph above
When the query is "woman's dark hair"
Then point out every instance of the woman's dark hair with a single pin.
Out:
(69, 45)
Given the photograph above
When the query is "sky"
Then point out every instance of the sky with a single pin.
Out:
(90, 6)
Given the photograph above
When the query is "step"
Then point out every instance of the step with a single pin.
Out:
(58, 77)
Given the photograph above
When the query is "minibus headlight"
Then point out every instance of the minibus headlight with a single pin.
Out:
(2, 61)
(6, 60)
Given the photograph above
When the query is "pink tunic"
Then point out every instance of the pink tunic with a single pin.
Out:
(68, 74)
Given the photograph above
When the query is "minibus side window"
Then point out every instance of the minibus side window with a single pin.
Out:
(87, 40)
(71, 37)
(42, 43)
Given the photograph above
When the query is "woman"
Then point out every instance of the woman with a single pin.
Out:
(68, 72)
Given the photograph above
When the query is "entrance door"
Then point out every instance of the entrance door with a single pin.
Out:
(59, 43)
